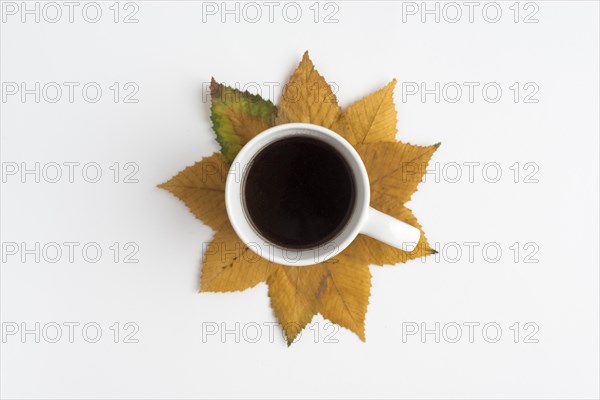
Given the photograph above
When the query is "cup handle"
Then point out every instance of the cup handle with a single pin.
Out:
(390, 230)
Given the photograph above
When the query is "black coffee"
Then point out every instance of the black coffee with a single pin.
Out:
(299, 192)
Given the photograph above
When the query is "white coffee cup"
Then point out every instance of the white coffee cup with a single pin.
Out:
(363, 218)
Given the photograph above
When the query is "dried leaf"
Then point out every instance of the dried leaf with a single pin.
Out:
(346, 296)
(395, 169)
(294, 295)
(371, 119)
(201, 187)
(237, 117)
(308, 98)
(229, 265)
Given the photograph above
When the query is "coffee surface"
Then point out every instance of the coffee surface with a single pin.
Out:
(299, 192)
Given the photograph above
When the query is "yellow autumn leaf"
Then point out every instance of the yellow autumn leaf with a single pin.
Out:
(371, 119)
(308, 98)
(202, 188)
(395, 169)
(229, 265)
(294, 293)
(347, 289)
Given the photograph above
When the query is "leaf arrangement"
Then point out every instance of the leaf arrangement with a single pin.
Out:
(339, 288)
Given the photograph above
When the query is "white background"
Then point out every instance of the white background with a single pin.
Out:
(170, 54)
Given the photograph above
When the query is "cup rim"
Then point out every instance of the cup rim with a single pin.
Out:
(268, 250)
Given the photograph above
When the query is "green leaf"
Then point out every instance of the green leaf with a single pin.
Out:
(237, 117)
